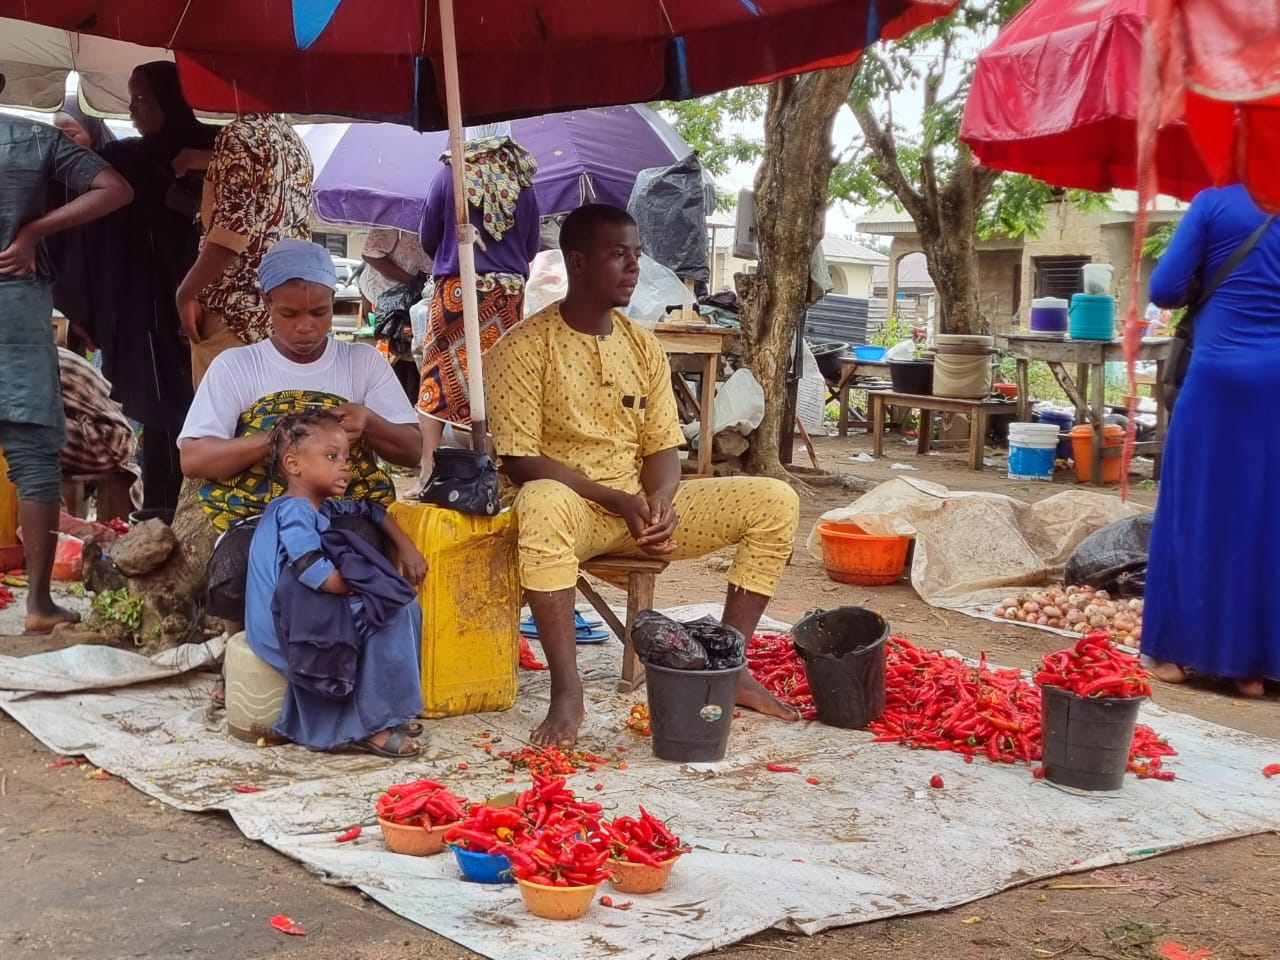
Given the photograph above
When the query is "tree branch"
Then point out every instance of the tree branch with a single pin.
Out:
(885, 152)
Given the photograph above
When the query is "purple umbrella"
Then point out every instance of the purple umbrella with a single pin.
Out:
(377, 174)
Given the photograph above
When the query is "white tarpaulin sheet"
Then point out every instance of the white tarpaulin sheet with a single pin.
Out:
(771, 850)
(975, 549)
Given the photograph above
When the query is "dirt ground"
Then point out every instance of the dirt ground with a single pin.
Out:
(93, 869)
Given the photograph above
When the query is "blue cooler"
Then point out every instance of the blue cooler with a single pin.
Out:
(1093, 317)
(1064, 421)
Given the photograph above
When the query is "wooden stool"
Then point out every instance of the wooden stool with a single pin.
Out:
(640, 575)
(113, 498)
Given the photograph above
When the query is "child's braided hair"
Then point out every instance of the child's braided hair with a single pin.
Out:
(290, 430)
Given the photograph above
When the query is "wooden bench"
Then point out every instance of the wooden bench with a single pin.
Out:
(977, 410)
(638, 576)
(111, 494)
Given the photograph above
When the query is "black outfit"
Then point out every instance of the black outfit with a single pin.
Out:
(141, 253)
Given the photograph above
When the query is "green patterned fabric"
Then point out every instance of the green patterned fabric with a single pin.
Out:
(227, 502)
(495, 170)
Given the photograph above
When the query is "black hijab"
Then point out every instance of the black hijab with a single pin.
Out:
(181, 128)
(99, 133)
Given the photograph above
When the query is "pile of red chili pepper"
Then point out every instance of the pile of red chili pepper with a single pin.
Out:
(548, 803)
(644, 839)
(1095, 668)
(552, 761)
(6, 597)
(772, 659)
(938, 702)
(941, 702)
(424, 802)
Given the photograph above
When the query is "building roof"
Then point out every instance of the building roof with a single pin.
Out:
(842, 250)
(913, 275)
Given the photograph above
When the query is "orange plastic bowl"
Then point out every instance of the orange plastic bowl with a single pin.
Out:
(557, 903)
(1006, 390)
(851, 555)
(415, 840)
(631, 877)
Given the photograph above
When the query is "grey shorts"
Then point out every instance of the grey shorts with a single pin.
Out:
(33, 452)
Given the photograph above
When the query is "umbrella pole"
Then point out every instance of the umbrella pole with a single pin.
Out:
(466, 232)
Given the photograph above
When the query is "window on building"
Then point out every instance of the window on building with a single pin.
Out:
(335, 243)
(1059, 276)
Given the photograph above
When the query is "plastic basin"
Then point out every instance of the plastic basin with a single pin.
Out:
(557, 903)
(851, 555)
(483, 867)
(413, 840)
(631, 877)
(914, 377)
(870, 354)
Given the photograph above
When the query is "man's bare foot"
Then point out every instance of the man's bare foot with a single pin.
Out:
(560, 729)
(755, 697)
(1167, 672)
(1251, 688)
(44, 620)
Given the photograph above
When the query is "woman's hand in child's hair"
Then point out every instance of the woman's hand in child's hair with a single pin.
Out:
(354, 417)
(411, 563)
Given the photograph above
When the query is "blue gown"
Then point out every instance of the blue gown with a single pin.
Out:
(388, 684)
(1214, 566)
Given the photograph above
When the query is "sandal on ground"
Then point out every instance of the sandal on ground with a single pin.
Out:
(218, 695)
(411, 728)
(391, 749)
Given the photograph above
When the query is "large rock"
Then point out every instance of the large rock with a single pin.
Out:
(144, 548)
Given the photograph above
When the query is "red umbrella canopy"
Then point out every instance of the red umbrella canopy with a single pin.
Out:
(1220, 61)
(1057, 96)
(517, 57)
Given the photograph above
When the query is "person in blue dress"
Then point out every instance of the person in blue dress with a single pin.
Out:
(1214, 565)
(309, 452)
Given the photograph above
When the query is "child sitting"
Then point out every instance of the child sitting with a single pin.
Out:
(326, 609)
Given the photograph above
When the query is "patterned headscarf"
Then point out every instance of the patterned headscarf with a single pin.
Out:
(495, 170)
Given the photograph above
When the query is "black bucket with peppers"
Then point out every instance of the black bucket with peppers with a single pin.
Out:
(843, 653)
(1087, 739)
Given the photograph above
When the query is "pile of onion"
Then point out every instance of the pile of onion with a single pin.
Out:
(1077, 609)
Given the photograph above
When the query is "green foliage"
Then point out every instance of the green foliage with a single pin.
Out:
(895, 330)
(117, 606)
(1156, 242)
(1043, 386)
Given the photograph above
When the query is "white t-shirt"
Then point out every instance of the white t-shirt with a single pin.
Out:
(240, 376)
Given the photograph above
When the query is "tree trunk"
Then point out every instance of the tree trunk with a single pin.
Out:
(791, 201)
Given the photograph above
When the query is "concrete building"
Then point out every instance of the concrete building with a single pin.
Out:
(850, 264)
(1011, 272)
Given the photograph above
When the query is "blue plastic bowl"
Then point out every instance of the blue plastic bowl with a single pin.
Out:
(870, 353)
(483, 867)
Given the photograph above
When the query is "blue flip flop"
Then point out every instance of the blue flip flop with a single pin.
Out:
(585, 632)
(579, 621)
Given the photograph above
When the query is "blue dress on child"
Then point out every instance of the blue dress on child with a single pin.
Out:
(1214, 565)
(388, 683)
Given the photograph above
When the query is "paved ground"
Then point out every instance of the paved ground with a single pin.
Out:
(92, 869)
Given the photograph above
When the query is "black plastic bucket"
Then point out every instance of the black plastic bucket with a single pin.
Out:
(1087, 739)
(843, 654)
(690, 712)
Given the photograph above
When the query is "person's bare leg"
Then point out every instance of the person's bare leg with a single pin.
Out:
(432, 435)
(742, 611)
(39, 523)
(553, 616)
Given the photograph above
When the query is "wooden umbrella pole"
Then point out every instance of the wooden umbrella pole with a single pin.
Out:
(466, 232)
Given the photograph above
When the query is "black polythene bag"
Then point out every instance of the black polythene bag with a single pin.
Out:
(726, 647)
(665, 643)
(1114, 558)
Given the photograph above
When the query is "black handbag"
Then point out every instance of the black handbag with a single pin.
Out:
(463, 480)
(1183, 339)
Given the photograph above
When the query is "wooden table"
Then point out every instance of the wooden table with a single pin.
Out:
(851, 367)
(1089, 358)
(706, 341)
(977, 410)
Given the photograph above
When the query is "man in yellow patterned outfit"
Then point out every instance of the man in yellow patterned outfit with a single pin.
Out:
(584, 421)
